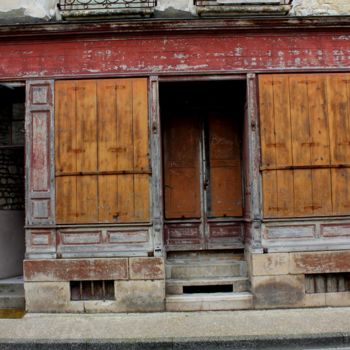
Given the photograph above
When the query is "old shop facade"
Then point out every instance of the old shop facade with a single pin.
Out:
(184, 164)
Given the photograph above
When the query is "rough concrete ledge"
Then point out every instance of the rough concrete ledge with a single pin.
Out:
(251, 342)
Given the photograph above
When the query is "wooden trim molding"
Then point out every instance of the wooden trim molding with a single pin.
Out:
(174, 26)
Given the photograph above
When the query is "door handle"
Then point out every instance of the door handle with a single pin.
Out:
(205, 184)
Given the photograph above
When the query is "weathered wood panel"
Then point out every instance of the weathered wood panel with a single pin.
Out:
(102, 165)
(232, 52)
(40, 243)
(40, 206)
(225, 166)
(75, 270)
(104, 241)
(305, 144)
(182, 167)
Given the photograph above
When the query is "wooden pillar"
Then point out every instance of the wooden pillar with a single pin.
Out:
(253, 160)
(156, 163)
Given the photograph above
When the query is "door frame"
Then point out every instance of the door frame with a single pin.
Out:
(250, 165)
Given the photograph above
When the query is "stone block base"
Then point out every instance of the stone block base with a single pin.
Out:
(278, 279)
(139, 285)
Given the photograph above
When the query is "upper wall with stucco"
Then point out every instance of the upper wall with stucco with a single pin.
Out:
(23, 10)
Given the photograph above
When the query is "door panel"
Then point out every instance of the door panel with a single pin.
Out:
(181, 167)
(202, 182)
(225, 182)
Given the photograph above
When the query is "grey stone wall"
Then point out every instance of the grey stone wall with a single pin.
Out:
(11, 178)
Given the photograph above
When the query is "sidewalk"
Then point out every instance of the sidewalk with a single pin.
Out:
(297, 328)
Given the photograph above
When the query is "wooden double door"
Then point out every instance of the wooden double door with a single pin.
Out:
(202, 180)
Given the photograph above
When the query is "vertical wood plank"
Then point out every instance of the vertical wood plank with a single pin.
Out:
(86, 126)
(66, 146)
(125, 142)
(301, 143)
(338, 111)
(66, 199)
(108, 198)
(86, 151)
(268, 142)
(140, 124)
(225, 166)
(65, 130)
(141, 198)
(320, 146)
(87, 199)
(283, 146)
(141, 150)
(107, 125)
(181, 167)
(107, 150)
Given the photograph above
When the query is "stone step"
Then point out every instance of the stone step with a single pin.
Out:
(12, 301)
(239, 284)
(209, 302)
(195, 270)
(12, 285)
(204, 256)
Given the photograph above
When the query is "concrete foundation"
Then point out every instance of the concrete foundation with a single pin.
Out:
(278, 279)
(140, 288)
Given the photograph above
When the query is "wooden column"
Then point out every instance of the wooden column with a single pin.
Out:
(156, 163)
(40, 190)
(253, 164)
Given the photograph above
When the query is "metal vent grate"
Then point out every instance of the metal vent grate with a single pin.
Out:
(92, 290)
(327, 283)
(105, 5)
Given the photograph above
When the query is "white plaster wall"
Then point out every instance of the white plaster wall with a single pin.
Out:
(47, 8)
(320, 7)
(32, 8)
(182, 5)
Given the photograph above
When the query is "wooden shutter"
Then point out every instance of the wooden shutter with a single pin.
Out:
(305, 144)
(101, 141)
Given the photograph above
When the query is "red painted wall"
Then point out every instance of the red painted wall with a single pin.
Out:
(174, 54)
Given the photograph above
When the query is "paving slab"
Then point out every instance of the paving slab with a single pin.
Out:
(294, 329)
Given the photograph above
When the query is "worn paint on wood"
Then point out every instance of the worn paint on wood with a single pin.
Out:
(102, 165)
(224, 165)
(40, 243)
(305, 144)
(182, 166)
(75, 270)
(176, 53)
(40, 207)
(104, 241)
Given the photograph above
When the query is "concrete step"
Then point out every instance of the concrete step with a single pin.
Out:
(204, 256)
(209, 302)
(12, 301)
(12, 285)
(205, 269)
(12, 293)
(239, 284)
